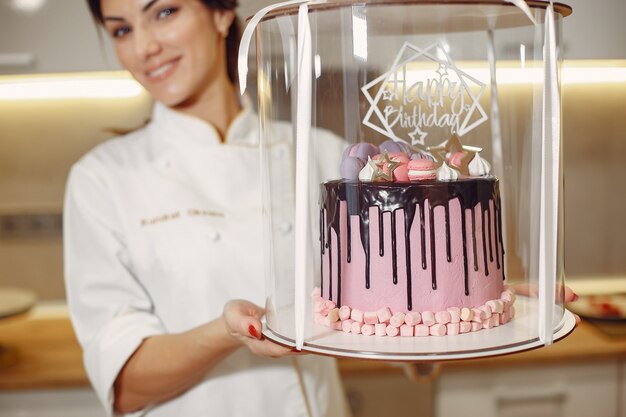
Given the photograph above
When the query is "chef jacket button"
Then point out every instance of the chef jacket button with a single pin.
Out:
(286, 227)
(214, 236)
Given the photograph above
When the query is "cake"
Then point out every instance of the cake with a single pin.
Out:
(411, 243)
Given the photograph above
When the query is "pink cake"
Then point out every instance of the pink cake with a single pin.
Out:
(411, 258)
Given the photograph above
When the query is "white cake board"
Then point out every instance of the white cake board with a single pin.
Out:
(518, 335)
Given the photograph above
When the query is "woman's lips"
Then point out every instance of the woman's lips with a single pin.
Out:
(162, 71)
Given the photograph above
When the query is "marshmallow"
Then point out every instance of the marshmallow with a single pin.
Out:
(476, 326)
(336, 326)
(488, 324)
(319, 318)
(370, 318)
(487, 311)
(496, 306)
(380, 329)
(384, 314)
(318, 305)
(367, 329)
(406, 330)
(512, 311)
(344, 313)
(346, 325)
(495, 319)
(356, 315)
(455, 314)
(422, 330)
(356, 327)
(465, 327)
(428, 318)
(412, 318)
(438, 329)
(333, 315)
(443, 317)
(504, 317)
(479, 315)
(397, 319)
(392, 330)
(453, 329)
(467, 314)
(508, 296)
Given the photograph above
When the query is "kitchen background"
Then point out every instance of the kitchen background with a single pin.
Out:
(54, 46)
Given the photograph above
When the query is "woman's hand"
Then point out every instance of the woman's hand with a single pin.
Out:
(531, 290)
(243, 323)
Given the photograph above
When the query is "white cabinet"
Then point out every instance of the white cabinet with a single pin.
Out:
(553, 391)
(60, 36)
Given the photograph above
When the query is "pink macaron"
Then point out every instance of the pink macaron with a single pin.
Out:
(422, 169)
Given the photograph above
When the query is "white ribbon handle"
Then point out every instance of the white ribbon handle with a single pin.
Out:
(550, 186)
(303, 255)
(244, 46)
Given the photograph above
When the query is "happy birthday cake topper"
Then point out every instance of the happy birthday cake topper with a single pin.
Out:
(422, 92)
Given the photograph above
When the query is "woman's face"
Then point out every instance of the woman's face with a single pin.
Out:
(174, 48)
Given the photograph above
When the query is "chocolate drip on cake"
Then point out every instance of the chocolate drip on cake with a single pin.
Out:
(390, 197)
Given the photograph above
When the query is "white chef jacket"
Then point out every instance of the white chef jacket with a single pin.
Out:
(162, 227)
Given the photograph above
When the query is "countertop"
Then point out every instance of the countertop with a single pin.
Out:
(46, 353)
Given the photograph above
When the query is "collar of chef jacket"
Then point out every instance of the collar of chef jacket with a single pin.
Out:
(177, 128)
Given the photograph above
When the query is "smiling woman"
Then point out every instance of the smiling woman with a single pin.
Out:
(158, 296)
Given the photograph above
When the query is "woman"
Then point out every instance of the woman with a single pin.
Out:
(162, 235)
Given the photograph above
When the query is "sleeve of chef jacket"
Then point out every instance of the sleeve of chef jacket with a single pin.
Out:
(110, 310)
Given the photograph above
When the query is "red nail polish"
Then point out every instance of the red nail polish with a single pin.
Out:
(294, 350)
(253, 331)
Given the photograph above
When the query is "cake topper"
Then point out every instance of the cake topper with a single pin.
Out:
(455, 153)
(381, 162)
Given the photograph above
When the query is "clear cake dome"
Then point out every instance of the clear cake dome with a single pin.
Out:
(412, 179)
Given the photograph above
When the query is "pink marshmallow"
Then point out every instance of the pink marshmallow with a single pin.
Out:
(367, 329)
(392, 330)
(356, 315)
(455, 314)
(318, 305)
(465, 327)
(504, 317)
(370, 318)
(319, 318)
(356, 327)
(406, 330)
(438, 329)
(443, 317)
(384, 314)
(508, 296)
(412, 318)
(346, 325)
(333, 315)
(421, 330)
(487, 311)
(496, 319)
(467, 314)
(488, 324)
(380, 329)
(330, 304)
(397, 319)
(336, 326)
(453, 329)
(344, 313)
(496, 306)
(428, 318)
(479, 315)
(476, 326)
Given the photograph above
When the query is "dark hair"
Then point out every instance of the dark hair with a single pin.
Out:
(232, 40)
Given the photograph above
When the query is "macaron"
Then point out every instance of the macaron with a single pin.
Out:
(422, 169)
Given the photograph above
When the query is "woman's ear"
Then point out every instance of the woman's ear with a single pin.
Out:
(223, 19)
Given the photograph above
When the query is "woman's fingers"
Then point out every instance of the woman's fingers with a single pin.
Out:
(531, 290)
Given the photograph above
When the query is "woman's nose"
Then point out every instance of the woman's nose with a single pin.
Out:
(146, 44)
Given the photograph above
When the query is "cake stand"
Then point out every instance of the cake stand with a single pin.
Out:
(518, 335)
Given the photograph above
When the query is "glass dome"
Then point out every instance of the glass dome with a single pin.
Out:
(412, 177)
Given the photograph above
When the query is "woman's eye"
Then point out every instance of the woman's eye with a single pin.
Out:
(166, 12)
(120, 32)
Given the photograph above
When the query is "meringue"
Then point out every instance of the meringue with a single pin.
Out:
(478, 167)
(445, 173)
(367, 173)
